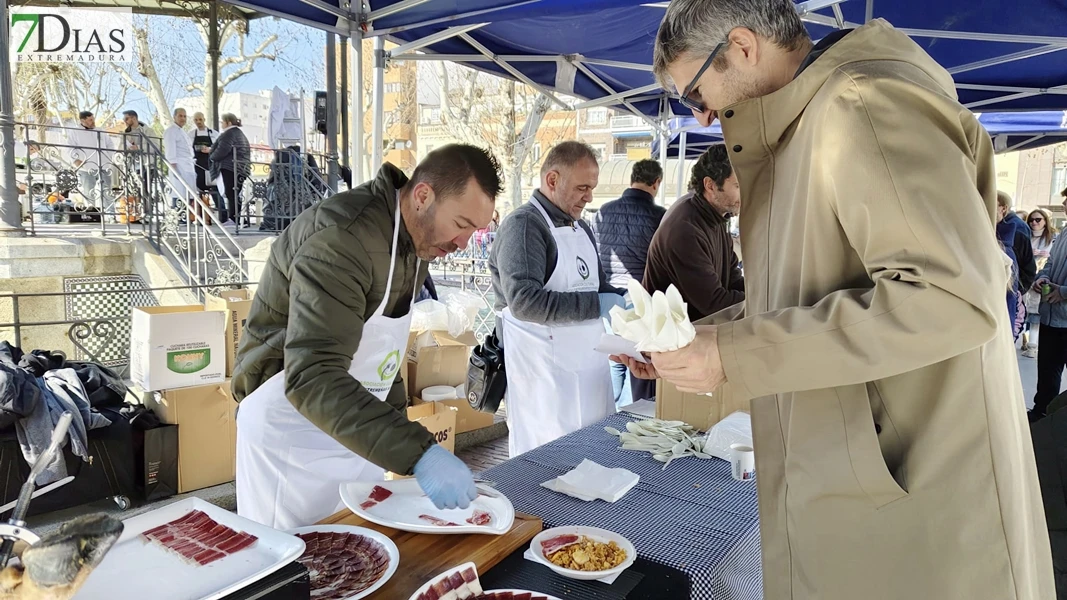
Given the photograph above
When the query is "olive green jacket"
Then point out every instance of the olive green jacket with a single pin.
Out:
(325, 277)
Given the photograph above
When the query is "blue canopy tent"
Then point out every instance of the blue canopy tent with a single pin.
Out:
(1010, 131)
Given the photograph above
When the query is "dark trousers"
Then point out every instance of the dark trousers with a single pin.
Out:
(1051, 358)
(232, 183)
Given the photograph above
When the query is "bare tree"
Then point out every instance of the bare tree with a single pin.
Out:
(47, 90)
(234, 63)
(481, 109)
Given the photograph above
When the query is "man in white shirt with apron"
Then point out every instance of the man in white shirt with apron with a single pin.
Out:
(317, 373)
(179, 152)
(551, 294)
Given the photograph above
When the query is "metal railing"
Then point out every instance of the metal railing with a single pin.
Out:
(122, 180)
(278, 191)
(93, 336)
(468, 270)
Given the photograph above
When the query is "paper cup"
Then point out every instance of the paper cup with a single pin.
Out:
(742, 462)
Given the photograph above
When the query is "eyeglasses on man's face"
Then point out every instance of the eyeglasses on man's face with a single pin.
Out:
(697, 105)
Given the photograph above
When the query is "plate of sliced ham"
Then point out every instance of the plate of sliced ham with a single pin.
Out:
(189, 549)
(401, 504)
(346, 562)
(462, 582)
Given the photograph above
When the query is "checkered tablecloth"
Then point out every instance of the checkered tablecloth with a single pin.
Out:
(692, 516)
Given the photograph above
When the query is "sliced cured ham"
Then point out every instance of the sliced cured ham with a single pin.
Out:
(439, 522)
(553, 545)
(464, 585)
(379, 494)
(342, 564)
(198, 538)
(480, 517)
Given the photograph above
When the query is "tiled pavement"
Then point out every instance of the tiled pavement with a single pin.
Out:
(485, 456)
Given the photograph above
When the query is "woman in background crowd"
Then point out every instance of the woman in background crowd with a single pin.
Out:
(1052, 353)
(1042, 234)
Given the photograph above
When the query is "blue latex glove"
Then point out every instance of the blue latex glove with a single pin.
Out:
(608, 301)
(445, 479)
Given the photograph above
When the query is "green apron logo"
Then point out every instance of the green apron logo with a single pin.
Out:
(583, 268)
(387, 370)
(188, 361)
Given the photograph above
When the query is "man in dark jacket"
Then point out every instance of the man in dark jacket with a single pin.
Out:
(1014, 233)
(231, 159)
(693, 248)
(623, 230)
(317, 371)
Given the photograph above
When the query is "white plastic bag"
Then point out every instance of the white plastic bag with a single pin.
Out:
(463, 308)
(734, 429)
(429, 315)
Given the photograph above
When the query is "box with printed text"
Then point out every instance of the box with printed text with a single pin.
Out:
(176, 346)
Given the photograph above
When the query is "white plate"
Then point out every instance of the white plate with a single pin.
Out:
(136, 568)
(594, 533)
(390, 549)
(464, 567)
(402, 509)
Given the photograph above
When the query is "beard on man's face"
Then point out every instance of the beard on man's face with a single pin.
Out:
(426, 245)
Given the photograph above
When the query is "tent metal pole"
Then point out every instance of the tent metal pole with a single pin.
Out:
(378, 106)
(514, 72)
(429, 40)
(615, 63)
(346, 140)
(1062, 89)
(614, 98)
(1007, 58)
(607, 88)
(213, 51)
(868, 13)
(681, 166)
(10, 210)
(359, 144)
(663, 147)
(1024, 142)
(331, 109)
(393, 9)
(1008, 98)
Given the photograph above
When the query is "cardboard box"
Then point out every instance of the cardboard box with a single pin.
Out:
(699, 411)
(236, 304)
(176, 346)
(467, 419)
(440, 420)
(437, 358)
(207, 432)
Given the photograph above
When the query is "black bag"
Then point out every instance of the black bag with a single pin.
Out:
(157, 470)
(486, 377)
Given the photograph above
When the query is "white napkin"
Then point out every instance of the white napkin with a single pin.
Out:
(656, 323)
(590, 481)
(610, 579)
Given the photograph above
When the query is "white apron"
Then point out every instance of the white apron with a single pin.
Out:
(289, 470)
(557, 383)
(183, 180)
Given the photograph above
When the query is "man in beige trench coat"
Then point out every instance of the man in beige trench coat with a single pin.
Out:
(893, 456)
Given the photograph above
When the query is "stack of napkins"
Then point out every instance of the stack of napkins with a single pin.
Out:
(656, 323)
(590, 481)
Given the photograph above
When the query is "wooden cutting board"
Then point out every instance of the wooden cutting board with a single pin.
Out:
(423, 556)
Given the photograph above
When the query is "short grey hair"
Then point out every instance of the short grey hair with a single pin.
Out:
(567, 154)
(178, 110)
(696, 26)
(230, 118)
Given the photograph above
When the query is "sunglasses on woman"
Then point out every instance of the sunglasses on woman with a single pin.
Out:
(698, 105)
(1037, 220)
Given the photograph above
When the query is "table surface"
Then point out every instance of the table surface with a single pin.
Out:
(693, 516)
(423, 556)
